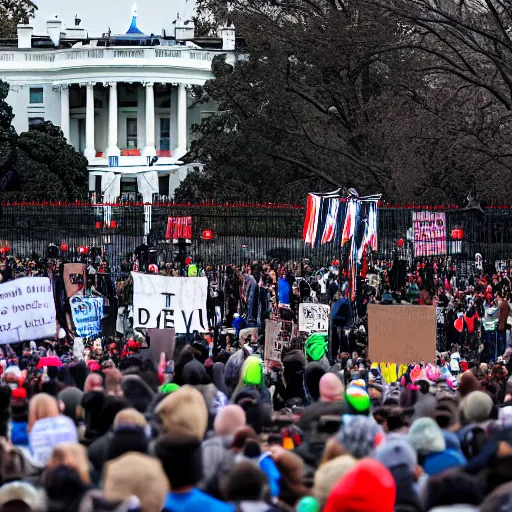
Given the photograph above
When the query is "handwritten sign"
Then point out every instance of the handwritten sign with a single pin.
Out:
(273, 342)
(402, 334)
(27, 310)
(87, 313)
(74, 278)
(162, 302)
(314, 317)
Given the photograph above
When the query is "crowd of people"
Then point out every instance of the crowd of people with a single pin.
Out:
(216, 427)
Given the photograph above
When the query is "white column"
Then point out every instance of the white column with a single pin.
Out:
(112, 149)
(90, 150)
(182, 121)
(150, 149)
(64, 110)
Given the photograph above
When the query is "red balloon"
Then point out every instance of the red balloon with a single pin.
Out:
(64, 247)
(188, 261)
(400, 242)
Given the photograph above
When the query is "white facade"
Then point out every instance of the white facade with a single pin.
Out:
(124, 105)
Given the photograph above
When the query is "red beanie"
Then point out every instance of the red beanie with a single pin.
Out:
(369, 487)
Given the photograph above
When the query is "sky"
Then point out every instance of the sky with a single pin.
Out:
(98, 15)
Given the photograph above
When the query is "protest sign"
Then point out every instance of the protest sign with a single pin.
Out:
(162, 340)
(27, 310)
(429, 233)
(401, 334)
(273, 341)
(87, 313)
(78, 348)
(162, 302)
(314, 317)
(74, 276)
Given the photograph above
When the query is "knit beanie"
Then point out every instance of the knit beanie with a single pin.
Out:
(357, 399)
(468, 383)
(425, 436)
(360, 435)
(395, 451)
(476, 407)
(184, 412)
(139, 475)
(368, 487)
(328, 474)
(181, 458)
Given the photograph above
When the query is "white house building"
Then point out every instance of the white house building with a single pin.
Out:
(122, 100)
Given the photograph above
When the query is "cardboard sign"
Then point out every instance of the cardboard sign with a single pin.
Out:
(314, 317)
(78, 348)
(75, 279)
(273, 343)
(162, 340)
(162, 302)
(401, 334)
(87, 313)
(27, 310)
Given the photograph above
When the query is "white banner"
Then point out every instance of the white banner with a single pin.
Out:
(27, 310)
(161, 302)
(314, 317)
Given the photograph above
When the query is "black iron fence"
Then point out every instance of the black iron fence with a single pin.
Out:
(240, 232)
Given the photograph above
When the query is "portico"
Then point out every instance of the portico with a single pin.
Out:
(148, 109)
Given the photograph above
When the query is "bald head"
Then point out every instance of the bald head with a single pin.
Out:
(331, 388)
(93, 382)
(229, 419)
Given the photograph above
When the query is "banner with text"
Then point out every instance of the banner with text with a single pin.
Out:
(87, 313)
(161, 302)
(314, 317)
(27, 310)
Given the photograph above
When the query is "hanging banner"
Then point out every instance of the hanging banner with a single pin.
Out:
(314, 317)
(162, 302)
(179, 227)
(87, 313)
(429, 233)
(27, 310)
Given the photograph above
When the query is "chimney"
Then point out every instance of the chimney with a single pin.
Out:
(184, 29)
(228, 37)
(53, 28)
(25, 36)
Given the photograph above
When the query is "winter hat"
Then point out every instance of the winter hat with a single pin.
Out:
(476, 407)
(316, 346)
(127, 438)
(395, 451)
(359, 435)
(170, 387)
(438, 462)
(22, 492)
(291, 468)
(328, 474)
(70, 398)
(184, 412)
(425, 436)
(181, 458)
(137, 392)
(453, 488)
(136, 474)
(331, 388)
(468, 383)
(358, 399)
(368, 487)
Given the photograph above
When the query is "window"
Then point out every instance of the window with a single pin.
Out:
(131, 132)
(163, 185)
(165, 134)
(33, 122)
(36, 95)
